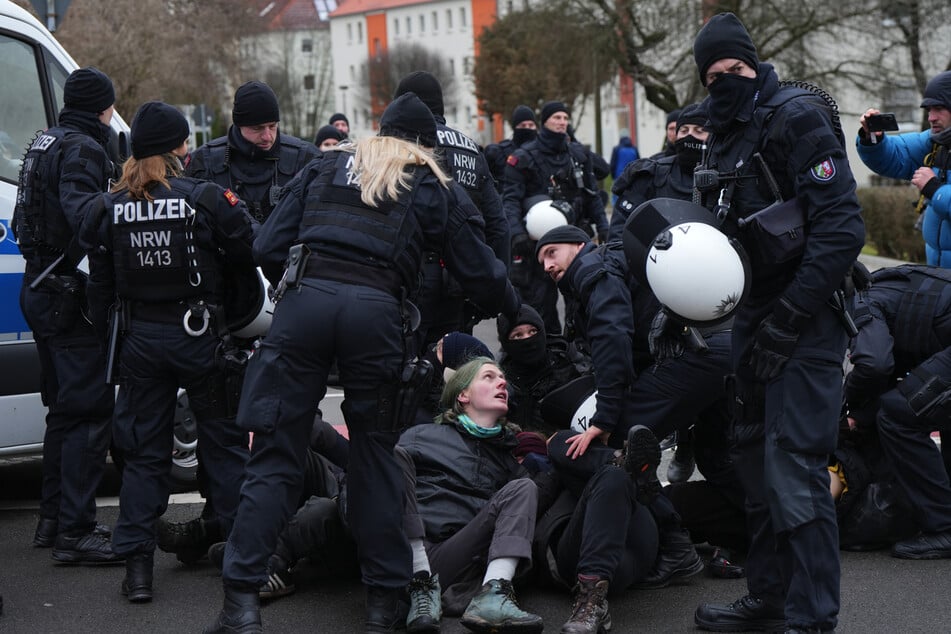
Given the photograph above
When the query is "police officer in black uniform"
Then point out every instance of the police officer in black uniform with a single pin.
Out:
(442, 302)
(353, 230)
(163, 243)
(524, 129)
(255, 160)
(660, 176)
(551, 165)
(905, 327)
(66, 166)
(777, 150)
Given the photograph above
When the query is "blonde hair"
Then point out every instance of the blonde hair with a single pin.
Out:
(141, 175)
(381, 163)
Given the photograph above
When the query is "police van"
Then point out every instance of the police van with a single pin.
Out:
(33, 72)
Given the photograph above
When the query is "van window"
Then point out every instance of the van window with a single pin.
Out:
(22, 111)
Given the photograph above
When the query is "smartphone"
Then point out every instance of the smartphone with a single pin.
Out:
(884, 122)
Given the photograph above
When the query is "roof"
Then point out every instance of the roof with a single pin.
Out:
(353, 7)
(293, 15)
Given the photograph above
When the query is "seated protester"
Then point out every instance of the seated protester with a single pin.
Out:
(535, 363)
(600, 534)
(475, 506)
(446, 355)
(904, 322)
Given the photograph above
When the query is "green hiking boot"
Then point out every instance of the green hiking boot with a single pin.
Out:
(495, 610)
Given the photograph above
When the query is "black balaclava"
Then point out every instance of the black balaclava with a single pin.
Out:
(524, 352)
(732, 97)
(690, 148)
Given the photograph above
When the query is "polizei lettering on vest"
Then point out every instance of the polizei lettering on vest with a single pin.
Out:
(150, 239)
(456, 139)
(147, 211)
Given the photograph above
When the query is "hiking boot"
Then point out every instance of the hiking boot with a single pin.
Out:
(746, 614)
(241, 614)
(721, 567)
(425, 603)
(85, 549)
(280, 582)
(188, 541)
(924, 546)
(677, 560)
(682, 465)
(641, 458)
(589, 609)
(385, 611)
(494, 609)
(137, 585)
(47, 528)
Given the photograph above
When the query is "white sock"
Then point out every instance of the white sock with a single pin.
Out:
(501, 568)
(420, 559)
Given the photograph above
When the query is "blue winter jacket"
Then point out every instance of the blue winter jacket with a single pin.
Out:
(898, 156)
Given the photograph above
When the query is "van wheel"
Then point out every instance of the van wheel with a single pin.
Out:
(184, 476)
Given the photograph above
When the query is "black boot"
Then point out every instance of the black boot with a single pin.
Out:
(385, 611)
(677, 559)
(188, 541)
(137, 585)
(241, 613)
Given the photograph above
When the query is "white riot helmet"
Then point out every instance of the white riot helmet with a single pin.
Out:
(542, 216)
(693, 269)
(248, 305)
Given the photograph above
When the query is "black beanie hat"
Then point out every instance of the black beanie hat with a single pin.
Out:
(328, 132)
(157, 128)
(255, 103)
(520, 114)
(723, 37)
(408, 118)
(526, 315)
(694, 114)
(339, 116)
(458, 348)
(673, 116)
(551, 108)
(89, 90)
(565, 234)
(938, 91)
(426, 87)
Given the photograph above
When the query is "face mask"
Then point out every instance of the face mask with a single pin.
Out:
(520, 136)
(732, 98)
(689, 151)
(527, 352)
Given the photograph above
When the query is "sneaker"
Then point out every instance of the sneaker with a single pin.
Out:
(47, 528)
(720, 566)
(494, 609)
(589, 609)
(425, 603)
(85, 549)
(746, 614)
(641, 458)
(924, 546)
(280, 581)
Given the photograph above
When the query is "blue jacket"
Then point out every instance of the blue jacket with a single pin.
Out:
(898, 156)
(624, 152)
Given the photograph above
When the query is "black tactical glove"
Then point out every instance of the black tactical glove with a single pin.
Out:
(522, 247)
(602, 237)
(669, 338)
(775, 340)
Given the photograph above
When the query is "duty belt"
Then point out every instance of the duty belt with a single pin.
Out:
(352, 272)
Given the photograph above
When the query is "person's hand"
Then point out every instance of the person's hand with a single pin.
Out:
(863, 121)
(522, 246)
(578, 444)
(666, 337)
(925, 180)
(775, 340)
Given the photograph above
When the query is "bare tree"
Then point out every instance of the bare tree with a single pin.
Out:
(381, 74)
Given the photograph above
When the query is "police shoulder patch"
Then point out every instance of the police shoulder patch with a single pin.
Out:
(512, 160)
(231, 197)
(824, 171)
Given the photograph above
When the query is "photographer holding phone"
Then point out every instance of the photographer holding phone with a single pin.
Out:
(923, 158)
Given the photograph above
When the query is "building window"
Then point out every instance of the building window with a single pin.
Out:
(359, 32)
(466, 65)
(349, 34)
(435, 21)
(353, 73)
(422, 23)
(448, 18)
(396, 27)
(307, 45)
(409, 25)
(508, 7)
(462, 17)
(452, 67)
(309, 82)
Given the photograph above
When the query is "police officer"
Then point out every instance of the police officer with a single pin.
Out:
(339, 120)
(663, 176)
(777, 149)
(66, 166)
(524, 129)
(441, 301)
(163, 243)
(255, 160)
(905, 323)
(366, 213)
(553, 166)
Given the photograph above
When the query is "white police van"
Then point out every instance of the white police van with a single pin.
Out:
(33, 72)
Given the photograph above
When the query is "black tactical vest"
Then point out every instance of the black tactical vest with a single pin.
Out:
(38, 221)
